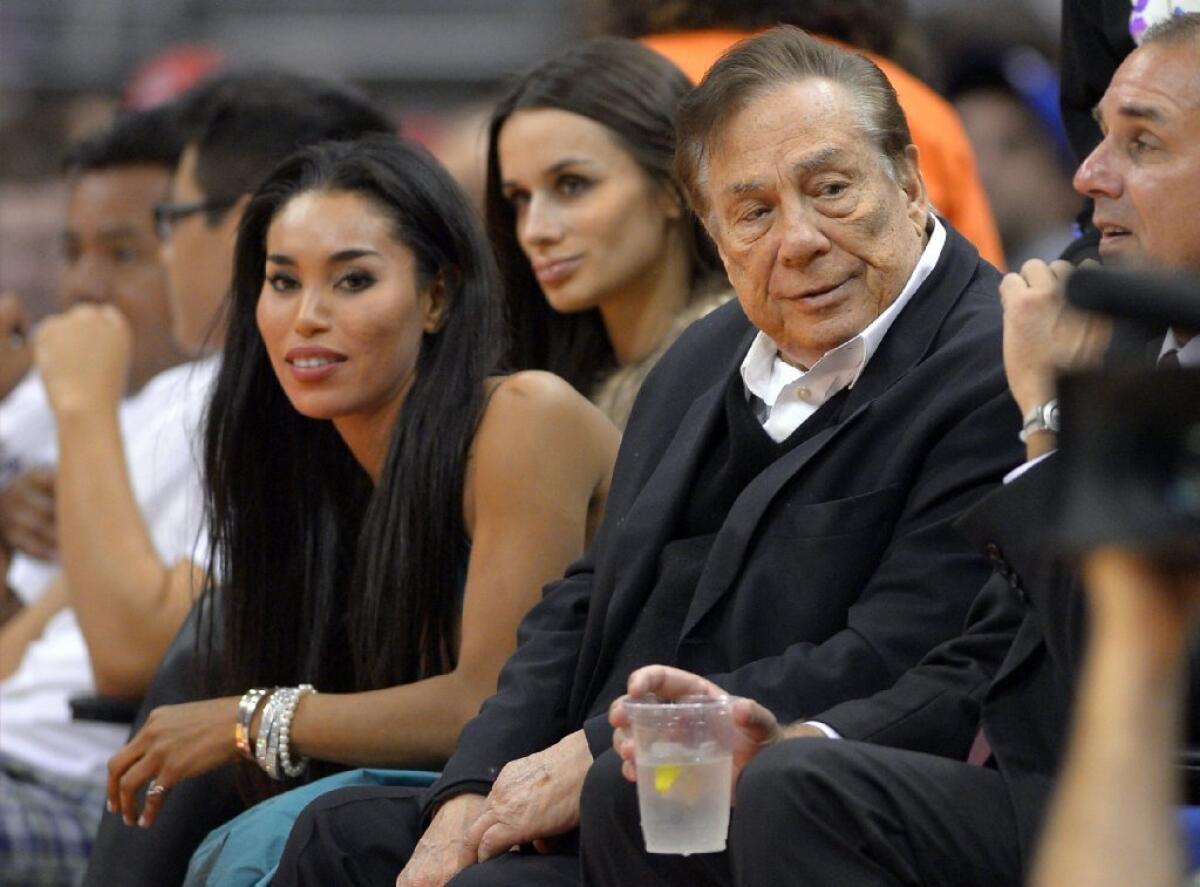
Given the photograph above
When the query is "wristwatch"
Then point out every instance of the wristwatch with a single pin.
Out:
(1043, 417)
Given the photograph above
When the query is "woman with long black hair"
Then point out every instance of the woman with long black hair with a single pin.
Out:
(383, 506)
(603, 263)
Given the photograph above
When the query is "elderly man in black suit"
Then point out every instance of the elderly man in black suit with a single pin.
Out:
(900, 805)
(781, 510)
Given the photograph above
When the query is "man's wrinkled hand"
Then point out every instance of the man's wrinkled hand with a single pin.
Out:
(83, 356)
(534, 800)
(27, 514)
(755, 727)
(1043, 334)
(443, 850)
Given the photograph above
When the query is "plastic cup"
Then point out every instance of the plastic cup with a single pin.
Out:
(684, 771)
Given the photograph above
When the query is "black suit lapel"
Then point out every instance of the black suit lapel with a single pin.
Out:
(725, 559)
(915, 330)
(908, 340)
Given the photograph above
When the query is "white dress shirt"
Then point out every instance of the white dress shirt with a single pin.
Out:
(787, 395)
(1189, 354)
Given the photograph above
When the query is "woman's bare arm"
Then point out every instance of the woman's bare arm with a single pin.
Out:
(541, 456)
(541, 463)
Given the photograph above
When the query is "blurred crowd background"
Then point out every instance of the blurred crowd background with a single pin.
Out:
(436, 64)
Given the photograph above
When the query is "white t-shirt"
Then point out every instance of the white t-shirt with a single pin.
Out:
(27, 441)
(161, 429)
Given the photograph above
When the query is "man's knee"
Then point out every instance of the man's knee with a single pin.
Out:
(787, 773)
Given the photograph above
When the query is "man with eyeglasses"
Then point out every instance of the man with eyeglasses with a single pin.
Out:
(53, 647)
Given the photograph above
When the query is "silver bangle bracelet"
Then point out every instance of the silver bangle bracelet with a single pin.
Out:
(247, 706)
(283, 697)
(265, 726)
(290, 769)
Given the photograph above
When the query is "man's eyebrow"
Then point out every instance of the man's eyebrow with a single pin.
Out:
(817, 161)
(1142, 112)
(810, 164)
(1137, 112)
(739, 188)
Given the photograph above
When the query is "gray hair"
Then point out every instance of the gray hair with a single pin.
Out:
(781, 56)
(1177, 29)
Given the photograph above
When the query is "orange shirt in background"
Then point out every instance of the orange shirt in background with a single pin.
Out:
(947, 161)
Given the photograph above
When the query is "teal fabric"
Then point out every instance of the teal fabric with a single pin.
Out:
(245, 851)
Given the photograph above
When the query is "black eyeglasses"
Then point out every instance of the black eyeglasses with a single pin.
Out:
(168, 215)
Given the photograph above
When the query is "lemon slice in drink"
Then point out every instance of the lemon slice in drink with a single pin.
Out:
(665, 776)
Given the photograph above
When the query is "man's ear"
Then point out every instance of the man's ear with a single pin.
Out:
(911, 182)
(433, 300)
(711, 227)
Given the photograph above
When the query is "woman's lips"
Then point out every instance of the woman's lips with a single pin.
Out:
(312, 364)
(554, 271)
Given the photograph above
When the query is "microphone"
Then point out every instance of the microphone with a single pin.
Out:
(1168, 300)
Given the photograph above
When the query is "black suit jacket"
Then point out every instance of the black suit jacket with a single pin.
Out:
(1012, 669)
(835, 570)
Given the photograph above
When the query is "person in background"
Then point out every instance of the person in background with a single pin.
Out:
(604, 265)
(1006, 99)
(1112, 820)
(693, 34)
(51, 767)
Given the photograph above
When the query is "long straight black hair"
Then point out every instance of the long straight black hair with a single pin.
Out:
(633, 92)
(324, 578)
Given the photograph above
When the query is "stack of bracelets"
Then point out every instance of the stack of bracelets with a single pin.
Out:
(271, 749)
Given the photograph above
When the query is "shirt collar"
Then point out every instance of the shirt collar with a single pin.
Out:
(1189, 354)
(766, 374)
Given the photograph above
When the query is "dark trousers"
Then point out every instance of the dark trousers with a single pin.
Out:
(823, 812)
(364, 835)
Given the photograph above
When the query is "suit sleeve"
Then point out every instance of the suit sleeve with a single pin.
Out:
(935, 707)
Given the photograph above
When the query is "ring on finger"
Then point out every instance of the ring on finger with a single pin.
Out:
(155, 788)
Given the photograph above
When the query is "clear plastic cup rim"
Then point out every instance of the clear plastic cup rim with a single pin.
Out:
(694, 702)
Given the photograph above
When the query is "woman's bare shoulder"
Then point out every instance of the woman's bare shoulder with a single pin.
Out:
(544, 417)
(538, 396)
